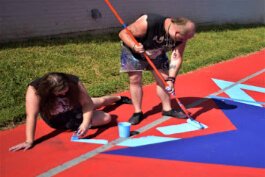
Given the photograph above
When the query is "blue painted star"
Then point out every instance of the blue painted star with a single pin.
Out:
(242, 147)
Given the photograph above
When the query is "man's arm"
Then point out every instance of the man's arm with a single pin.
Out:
(175, 64)
(176, 60)
(138, 29)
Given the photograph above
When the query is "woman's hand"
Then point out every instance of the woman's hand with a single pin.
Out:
(22, 146)
(82, 130)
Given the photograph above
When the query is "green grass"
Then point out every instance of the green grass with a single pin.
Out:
(95, 59)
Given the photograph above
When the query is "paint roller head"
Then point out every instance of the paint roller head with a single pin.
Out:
(195, 123)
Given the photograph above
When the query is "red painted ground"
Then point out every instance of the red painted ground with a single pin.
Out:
(55, 148)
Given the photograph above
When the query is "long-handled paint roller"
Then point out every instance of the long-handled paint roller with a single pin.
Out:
(167, 87)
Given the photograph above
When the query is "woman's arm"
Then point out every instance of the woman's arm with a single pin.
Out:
(32, 110)
(87, 108)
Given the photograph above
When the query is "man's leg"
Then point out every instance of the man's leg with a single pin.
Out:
(165, 98)
(136, 90)
(136, 95)
(161, 93)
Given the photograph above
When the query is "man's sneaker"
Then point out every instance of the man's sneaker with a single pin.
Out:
(174, 113)
(124, 100)
(136, 118)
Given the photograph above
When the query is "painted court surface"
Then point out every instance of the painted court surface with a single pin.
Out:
(228, 98)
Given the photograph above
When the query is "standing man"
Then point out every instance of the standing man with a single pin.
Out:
(156, 36)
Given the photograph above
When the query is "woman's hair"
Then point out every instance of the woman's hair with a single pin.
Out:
(55, 82)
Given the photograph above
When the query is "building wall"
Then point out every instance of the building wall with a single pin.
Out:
(33, 18)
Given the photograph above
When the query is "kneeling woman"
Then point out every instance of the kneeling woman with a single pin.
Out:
(63, 103)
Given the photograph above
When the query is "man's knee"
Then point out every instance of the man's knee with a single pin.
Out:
(135, 79)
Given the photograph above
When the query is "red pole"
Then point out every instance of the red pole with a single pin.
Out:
(136, 42)
(145, 55)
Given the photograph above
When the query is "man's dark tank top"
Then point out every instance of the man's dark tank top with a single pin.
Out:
(156, 36)
(66, 119)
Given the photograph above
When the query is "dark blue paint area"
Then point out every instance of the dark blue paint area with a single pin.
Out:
(242, 147)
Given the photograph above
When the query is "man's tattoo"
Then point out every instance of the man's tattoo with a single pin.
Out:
(172, 66)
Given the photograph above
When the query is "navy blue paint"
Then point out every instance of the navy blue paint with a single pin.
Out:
(124, 25)
(242, 147)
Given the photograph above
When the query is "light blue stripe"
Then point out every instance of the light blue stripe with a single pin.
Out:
(93, 141)
(237, 93)
(252, 88)
(146, 140)
(180, 128)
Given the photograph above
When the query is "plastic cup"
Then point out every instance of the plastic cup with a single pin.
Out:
(124, 129)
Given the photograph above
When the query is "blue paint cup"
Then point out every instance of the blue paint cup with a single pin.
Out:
(124, 129)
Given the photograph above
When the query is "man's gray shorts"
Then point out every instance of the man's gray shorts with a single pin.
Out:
(130, 63)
